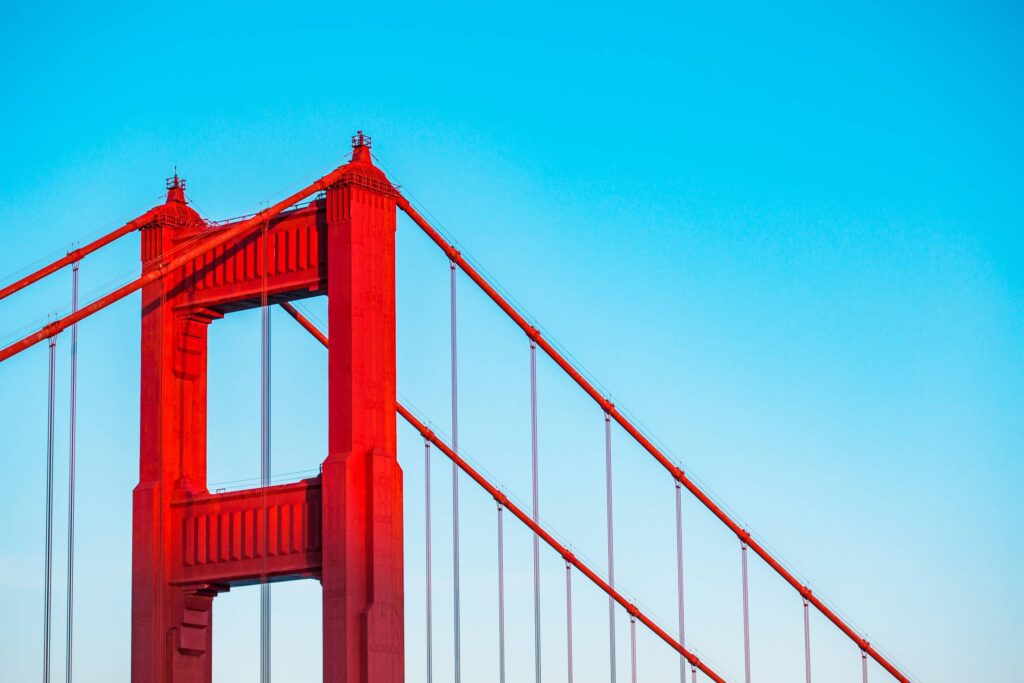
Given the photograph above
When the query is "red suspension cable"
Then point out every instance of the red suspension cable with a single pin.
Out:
(569, 557)
(536, 528)
(159, 271)
(304, 321)
(77, 254)
(454, 255)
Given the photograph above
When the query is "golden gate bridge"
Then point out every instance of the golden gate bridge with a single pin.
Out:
(344, 526)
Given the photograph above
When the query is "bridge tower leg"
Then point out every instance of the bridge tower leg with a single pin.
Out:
(363, 591)
(171, 627)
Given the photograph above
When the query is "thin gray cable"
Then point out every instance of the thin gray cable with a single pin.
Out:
(746, 616)
(561, 538)
(611, 543)
(679, 578)
(568, 619)
(455, 482)
(72, 430)
(536, 497)
(632, 644)
(807, 640)
(501, 595)
(430, 597)
(48, 574)
(265, 468)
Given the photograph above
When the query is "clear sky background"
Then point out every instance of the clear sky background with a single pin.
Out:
(787, 238)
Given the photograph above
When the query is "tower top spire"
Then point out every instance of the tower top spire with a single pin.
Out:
(360, 139)
(361, 143)
(175, 188)
(362, 171)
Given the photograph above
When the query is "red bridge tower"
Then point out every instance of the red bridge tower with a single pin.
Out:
(343, 527)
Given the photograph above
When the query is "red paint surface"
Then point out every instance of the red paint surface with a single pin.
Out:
(343, 527)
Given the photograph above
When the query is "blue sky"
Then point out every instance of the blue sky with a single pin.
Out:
(787, 239)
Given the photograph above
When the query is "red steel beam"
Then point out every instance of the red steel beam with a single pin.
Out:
(158, 272)
(609, 407)
(526, 519)
(77, 254)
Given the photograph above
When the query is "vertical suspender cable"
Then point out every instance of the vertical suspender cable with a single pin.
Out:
(455, 482)
(679, 579)
(71, 477)
(694, 670)
(632, 645)
(430, 598)
(864, 665)
(48, 575)
(611, 543)
(536, 496)
(746, 616)
(807, 640)
(568, 618)
(501, 595)
(265, 464)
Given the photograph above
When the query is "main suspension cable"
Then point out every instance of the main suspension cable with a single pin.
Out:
(630, 427)
(535, 527)
(76, 255)
(215, 240)
(106, 286)
(550, 540)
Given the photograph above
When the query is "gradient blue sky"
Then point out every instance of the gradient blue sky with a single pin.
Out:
(787, 238)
